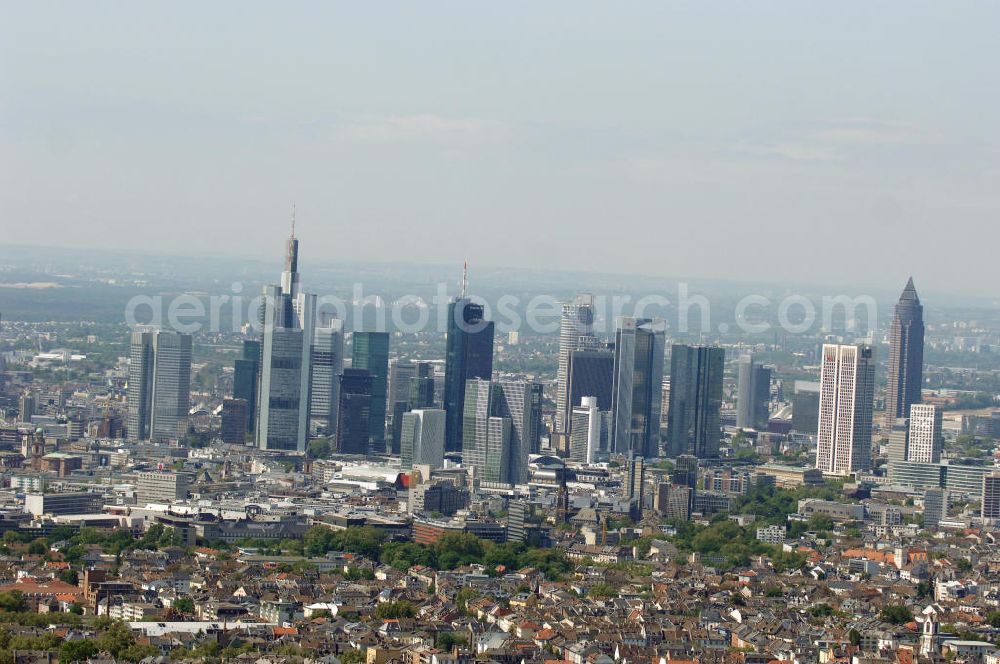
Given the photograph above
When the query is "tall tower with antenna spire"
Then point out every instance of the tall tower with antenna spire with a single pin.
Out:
(290, 275)
(287, 328)
(468, 354)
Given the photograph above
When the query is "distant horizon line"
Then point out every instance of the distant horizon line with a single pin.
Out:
(888, 293)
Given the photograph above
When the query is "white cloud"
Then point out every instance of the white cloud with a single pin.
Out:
(795, 151)
(422, 129)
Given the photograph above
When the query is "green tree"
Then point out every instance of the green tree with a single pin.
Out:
(69, 576)
(395, 610)
(77, 650)
(320, 448)
(184, 605)
(13, 601)
(897, 614)
(355, 656)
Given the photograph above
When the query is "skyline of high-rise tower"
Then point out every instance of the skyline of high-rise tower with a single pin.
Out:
(847, 392)
(370, 351)
(159, 384)
(287, 328)
(753, 393)
(638, 384)
(693, 420)
(576, 325)
(906, 355)
(468, 355)
(502, 426)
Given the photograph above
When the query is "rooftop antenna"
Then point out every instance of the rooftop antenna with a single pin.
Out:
(465, 277)
(293, 220)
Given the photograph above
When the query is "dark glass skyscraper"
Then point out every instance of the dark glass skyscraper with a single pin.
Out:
(245, 375)
(591, 373)
(354, 411)
(753, 394)
(906, 355)
(638, 387)
(468, 355)
(370, 351)
(693, 424)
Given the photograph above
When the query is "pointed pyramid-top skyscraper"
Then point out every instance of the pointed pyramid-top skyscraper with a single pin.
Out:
(906, 354)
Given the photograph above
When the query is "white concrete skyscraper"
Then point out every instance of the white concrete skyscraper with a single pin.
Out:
(422, 438)
(925, 439)
(589, 431)
(847, 392)
(576, 329)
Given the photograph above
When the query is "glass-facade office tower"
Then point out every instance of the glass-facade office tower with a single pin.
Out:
(370, 351)
(753, 394)
(591, 373)
(159, 385)
(576, 329)
(287, 323)
(636, 391)
(906, 355)
(847, 393)
(327, 366)
(693, 421)
(468, 355)
(140, 385)
(171, 395)
(354, 412)
(422, 438)
(502, 426)
(246, 374)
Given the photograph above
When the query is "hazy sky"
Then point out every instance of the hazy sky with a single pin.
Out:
(848, 143)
